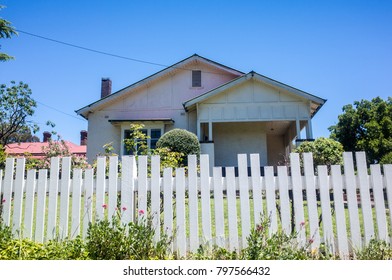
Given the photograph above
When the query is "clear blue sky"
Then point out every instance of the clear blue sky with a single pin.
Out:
(338, 50)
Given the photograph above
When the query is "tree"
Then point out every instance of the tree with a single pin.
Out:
(6, 31)
(366, 126)
(325, 151)
(16, 105)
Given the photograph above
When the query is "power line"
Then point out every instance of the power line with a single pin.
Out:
(106, 53)
(90, 50)
(62, 112)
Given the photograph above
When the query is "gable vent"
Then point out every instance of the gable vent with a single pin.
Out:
(196, 78)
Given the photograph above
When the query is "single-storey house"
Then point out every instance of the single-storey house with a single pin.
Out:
(230, 111)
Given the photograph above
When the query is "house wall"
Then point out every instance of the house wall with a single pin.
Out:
(160, 98)
(276, 149)
(231, 139)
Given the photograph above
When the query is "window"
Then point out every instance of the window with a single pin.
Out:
(196, 78)
(153, 135)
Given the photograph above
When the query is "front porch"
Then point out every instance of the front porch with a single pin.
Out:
(273, 140)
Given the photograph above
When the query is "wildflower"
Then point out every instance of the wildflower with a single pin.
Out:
(3, 201)
(104, 206)
(141, 212)
(302, 224)
(115, 209)
(124, 208)
(311, 241)
(259, 228)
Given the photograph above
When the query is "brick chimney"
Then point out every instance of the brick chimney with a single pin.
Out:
(106, 87)
(83, 138)
(47, 136)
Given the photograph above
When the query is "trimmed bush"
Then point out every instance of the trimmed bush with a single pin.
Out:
(181, 141)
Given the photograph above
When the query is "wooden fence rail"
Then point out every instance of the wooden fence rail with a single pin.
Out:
(342, 207)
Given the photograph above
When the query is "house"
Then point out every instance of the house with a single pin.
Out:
(36, 149)
(230, 111)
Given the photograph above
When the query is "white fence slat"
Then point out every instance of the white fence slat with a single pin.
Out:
(168, 201)
(298, 198)
(219, 212)
(285, 210)
(379, 203)
(18, 194)
(205, 197)
(29, 205)
(365, 196)
(351, 190)
(341, 228)
(180, 211)
(388, 185)
(142, 187)
(128, 177)
(53, 198)
(88, 199)
(156, 196)
(112, 189)
(232, 209)
(193, 204)
(8, 189)
(244, 197)
(64, 196)
(41, 205)
(76, 202)
(1, 183)
(256, 187)
(100, 188)
(311, 199)
(271, 199)
(326, 207)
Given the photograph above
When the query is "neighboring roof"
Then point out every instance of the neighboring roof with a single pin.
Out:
(317, 102)
(36, 148)
(179, 65)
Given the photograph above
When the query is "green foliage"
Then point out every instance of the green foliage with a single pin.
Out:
(366, 126)
(136, 143)
(181, 141)
(112, 240)
(6, 31)
(3, 157)
(16, 105)
(386, 159)
(375, 250)
(325, 151)
(168, 158)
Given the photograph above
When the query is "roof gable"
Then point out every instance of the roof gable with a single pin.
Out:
(316, 102)
(180, 66)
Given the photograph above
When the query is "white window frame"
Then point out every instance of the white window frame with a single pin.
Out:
(148, 127)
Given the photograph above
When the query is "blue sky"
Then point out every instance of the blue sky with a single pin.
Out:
(338, 50)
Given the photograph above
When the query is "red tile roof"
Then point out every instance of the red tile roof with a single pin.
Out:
(36, 149)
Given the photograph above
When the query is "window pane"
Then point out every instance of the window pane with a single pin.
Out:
(155, 133)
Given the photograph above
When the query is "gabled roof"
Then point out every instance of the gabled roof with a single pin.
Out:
(317, 102)
(179, 65)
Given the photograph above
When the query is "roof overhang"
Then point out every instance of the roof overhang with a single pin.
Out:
(145, 121)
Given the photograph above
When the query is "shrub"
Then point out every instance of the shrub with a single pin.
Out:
(115, 241)
(386, 159)
(325, 151)
(181, 141)
(375, 250)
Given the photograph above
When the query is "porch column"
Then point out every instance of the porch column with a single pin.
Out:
(210, 131)
(198, 130)
(298, 128)
(309, 132)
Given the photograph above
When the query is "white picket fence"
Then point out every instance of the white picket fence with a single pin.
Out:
(46, 206)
